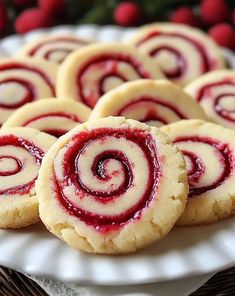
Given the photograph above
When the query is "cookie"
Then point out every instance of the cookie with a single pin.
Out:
(104, 186)
(53, 48)
(23, 81)
(215, 92)
(209, 151)
(153, 102)
(183, 53)
(52, 116)
(21, 153)
(92, 71)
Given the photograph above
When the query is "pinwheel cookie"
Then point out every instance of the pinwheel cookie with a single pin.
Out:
(21, 153)
(92, 71)
(54, 48)
(183, 53)
(215, 92)
(153, 102)
(209, 151)
(52, 116)
(104, 186)
(23, 81)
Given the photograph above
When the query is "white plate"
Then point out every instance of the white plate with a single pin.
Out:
(185, 251)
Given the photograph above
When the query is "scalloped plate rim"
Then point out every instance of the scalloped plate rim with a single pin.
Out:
(114, 272)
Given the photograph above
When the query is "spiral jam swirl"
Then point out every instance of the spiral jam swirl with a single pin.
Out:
(209, 163)
(57, 49)
(152, 111)
(19, 165)
(16, 88)
(105, 72)
(219, 97)
(171, 51)
(97, 176)
(53, 123)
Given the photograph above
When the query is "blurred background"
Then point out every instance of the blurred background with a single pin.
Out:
(217, 17)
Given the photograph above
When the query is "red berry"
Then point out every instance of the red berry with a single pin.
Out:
(31, 19)
(22, 3)
(52, 7)
(214, 11)
(224, 35)
(127, 14)
(3, 16)
(184, 15)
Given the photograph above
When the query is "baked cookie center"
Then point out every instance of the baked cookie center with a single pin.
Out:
(151, 111)
(165, 48)
(218, 99)
(105, 72)
(19, 165)
(56, 50)
(105, 186)
(53, 123)
(209, 163)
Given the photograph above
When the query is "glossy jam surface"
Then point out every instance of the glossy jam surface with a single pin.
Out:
(100, 169)
(108, 65)
(197, 168)
(181, 64)
(12, 165)
(147, 108)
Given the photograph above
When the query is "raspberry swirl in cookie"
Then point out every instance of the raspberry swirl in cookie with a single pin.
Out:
(23, 81)
(52, 116)
(53, 48)
(183, 53)
(21, 153)
(209, 151)
(91, 72)
(215, 92)
(153, 102)
(108, 180)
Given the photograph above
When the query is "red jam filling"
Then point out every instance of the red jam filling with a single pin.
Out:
(72, 176)
(47, 54)
(15, 170)
(180, 67)
(98, 169)
(204, 93)
(29, 87)
(198, 167)
(151, 114)
(36, 152)
(206, 65)
(59, 131)
(110, 75)
(111, 60)
(29, 90)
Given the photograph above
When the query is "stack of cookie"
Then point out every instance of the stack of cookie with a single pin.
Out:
(116, 143)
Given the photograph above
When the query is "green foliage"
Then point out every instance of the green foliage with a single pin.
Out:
(100, 12)
(151, 8)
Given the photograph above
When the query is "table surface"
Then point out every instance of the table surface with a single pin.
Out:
(13, 283)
